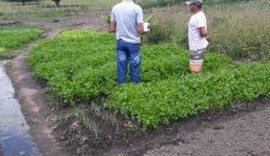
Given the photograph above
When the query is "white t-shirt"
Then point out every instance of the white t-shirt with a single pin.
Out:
(196, 42)
(127, 16)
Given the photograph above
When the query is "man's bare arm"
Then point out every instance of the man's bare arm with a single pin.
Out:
(140, 28)
(203, 32)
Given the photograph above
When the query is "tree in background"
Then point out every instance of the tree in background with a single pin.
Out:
(57, 2)
(23, 1)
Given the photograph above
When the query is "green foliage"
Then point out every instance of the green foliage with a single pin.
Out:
(187, 95)
(2, 50)
(107, 19)
(75, 65)
(160, 32)
(242, 36)
(80, 65)
(158, 3)
(13, 38)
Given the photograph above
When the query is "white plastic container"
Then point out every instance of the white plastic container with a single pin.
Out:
(146, 27)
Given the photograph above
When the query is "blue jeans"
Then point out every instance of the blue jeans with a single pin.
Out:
(128, 53)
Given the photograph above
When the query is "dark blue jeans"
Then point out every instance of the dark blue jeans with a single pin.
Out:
(128, 53)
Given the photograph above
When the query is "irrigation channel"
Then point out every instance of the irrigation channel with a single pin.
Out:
(14, 131)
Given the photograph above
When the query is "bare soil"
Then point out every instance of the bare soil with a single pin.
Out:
(244, 133)
(239, 129)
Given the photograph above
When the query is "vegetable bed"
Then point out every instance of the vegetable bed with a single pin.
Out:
(80, 65)
(14, 37)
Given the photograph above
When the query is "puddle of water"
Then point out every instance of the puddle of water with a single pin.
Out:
(15, 139)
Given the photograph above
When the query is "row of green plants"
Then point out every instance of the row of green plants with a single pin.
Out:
(178, 97)
(12, 38)
(80, 65)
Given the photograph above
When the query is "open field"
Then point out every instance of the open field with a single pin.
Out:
(93, 115)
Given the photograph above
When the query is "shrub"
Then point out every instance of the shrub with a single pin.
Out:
(160, 32)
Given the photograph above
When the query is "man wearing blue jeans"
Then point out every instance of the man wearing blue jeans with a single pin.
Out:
(127, 22)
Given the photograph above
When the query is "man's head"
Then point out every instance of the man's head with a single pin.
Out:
(194, 5)
(129, 1)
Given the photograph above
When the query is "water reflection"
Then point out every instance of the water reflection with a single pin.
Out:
(14, 131)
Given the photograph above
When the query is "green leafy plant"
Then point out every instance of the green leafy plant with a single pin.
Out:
(80, 65)
(107, 19)
(15, 37)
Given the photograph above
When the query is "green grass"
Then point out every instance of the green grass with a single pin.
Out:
(79, 113)
(12, 38)
(2, 50)
(80, 65)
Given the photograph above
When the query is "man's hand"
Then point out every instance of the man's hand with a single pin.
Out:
(208, 37)
(112, 27)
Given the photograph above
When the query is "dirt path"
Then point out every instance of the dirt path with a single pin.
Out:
(31, 94)
(245, 134)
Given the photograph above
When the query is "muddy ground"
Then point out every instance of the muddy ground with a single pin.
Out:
(240, 129)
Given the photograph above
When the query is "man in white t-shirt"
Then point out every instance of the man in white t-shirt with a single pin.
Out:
(127, 22)
(197, 35)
